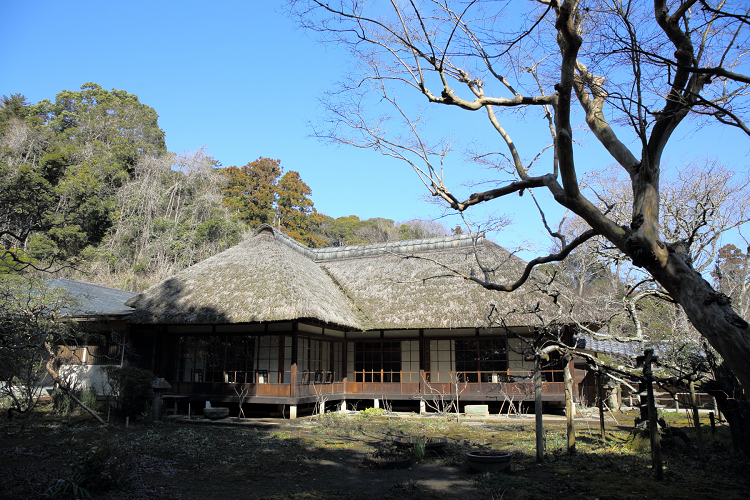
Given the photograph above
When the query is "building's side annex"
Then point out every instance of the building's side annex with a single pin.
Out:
(102, 318)
(295, 325)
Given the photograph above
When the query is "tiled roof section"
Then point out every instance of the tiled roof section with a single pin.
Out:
(94, 299)
(609, 346)
(391, 247)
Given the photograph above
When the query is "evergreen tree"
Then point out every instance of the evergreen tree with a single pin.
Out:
(69, 157)
(258, 193)
(251, 190)
(296, 214)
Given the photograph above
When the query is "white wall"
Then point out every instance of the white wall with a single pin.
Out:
(85, 376)
(410, 361)
(442, 361)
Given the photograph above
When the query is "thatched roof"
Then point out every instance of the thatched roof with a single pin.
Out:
(399, 285)
(258, 280)
(413, 290)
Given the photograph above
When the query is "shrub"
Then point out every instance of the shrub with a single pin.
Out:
(102, 468)
(129, 389)
(63, 404)
(372, 412)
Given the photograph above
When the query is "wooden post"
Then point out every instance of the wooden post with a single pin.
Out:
(538, 408)
(293, 391)
(653, 425)
(696, 421)
(600, 394)
(569, 405)
(458, 407)
(293, 381)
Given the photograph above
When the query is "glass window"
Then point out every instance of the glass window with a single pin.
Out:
(201, 359)
(268, 358)
(377, 361)
(480, 358)
(232, 359)
(319, 361)
(240, 359)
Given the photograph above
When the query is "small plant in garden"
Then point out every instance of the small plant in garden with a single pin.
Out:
(69, 487)
(640, 443)
(419, 449)
(100, 469)
(372, 412)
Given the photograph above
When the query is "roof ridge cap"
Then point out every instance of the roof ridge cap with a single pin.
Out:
(397, 247)
(89, 284)
(287, 240)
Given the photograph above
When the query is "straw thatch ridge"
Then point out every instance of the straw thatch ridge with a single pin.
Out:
(400, 285)
(375, 249)
(257, 280)
(416, 291)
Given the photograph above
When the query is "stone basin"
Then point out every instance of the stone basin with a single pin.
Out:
(215, 413)
(489, 461)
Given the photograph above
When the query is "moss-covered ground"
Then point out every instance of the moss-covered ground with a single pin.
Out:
(323, 457)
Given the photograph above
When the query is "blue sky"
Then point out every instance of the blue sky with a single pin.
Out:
(240, 80)
(237, 78)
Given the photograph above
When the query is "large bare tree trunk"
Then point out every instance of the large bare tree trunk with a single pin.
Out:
(710, 313)
(688, 86)
(732, 403)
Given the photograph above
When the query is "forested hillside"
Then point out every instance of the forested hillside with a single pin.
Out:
(89, 190)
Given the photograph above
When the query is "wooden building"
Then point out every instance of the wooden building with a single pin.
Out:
(101, 316)
(296, 325)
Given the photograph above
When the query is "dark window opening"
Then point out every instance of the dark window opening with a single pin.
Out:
(377, 361)
(480, 359)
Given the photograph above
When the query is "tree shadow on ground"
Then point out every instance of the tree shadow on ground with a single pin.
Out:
(306, 459)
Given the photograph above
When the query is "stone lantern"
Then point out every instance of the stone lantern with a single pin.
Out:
(160, 386)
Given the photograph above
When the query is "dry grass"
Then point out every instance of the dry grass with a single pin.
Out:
(323, 458)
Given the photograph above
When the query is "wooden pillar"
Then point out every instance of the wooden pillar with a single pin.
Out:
(293, 375)
(538, 408)
(653, 424)
(345, 364)
(570, 408)
(600, 397)
(696, 421)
